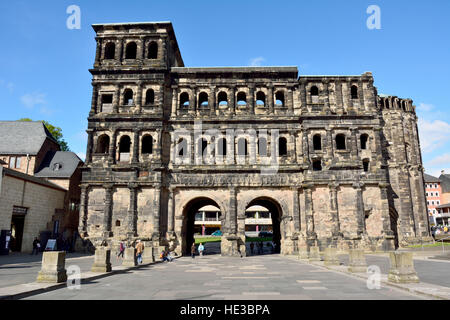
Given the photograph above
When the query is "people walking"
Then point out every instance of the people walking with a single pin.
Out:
(261, 247)
(201, 248)
(252, 246)
(193, 250)
(121, 250)
(36, 246)
(139, 251)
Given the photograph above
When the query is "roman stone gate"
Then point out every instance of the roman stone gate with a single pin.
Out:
(336, 163)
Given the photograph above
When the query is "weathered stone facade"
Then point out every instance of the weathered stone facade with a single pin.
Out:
(348, 170)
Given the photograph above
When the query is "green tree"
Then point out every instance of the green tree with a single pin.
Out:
(55, 131)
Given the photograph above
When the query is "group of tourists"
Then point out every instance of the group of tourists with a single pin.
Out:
(201, 250)
(439, 230)
(139, 250)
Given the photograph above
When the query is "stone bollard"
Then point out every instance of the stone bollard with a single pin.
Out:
(357, 261)
(402, 268)
(303, 253)
(314, 253)
(53, 267)
(330, 257)
(102, 260)
(148, 255)
(130, 259)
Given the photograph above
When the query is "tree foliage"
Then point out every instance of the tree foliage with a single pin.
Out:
(55, 131)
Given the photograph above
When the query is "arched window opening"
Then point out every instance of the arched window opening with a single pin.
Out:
(202, 145)
(241, 99)
(282, 147)
(150, 97)
(184, 100)
(103, 144)
(203, 100)
(262, 147)
(242, 147)
(124, 149)
(107, 100)
(260, 98)
(364, 138)
(147, 144)
(387, 103)
(110, 51)
(354, 92)
(382, 103)
(317, 165)
(404, 105)
(128, 97)
(317, 142)
(182, 147)
(340, 142)
(117, 223)
(366, 165)
(131, 51)
(279, 98)
(152, 50)
(222, 147)
(222, 98)
(314, 94)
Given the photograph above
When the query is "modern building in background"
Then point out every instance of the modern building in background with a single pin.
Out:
(40, 192)
(437, 191)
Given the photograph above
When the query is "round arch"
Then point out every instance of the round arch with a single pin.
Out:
(189, 209)
(277, 210)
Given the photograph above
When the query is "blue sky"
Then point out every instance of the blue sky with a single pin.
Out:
(44, 66)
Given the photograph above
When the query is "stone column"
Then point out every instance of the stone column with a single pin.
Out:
(330, 257)
(90, 146)
(156, 213)
(232, 221)
(112, 148)
(139, 97)
(53, 267)
(303, 95)
(251, 99)
(361, 95)
(132, 211)
(309, 214)
(291, 100)
(174, 112)
(388, 241)
(270, 98)
(339, 98)
(329, 145)
(326, 96)
(135, 158)
(357, 261)
(170, 213)
(233, 100)
(98, 52)
(212, 101)
(118, 56)
(360, 215)
(107, 213)
(116, 99)
(192, 101)
(305, 147)
(82, 229)
(348, 96)
(296, 209)
(336, 233)
(354, 145)
(95, 96)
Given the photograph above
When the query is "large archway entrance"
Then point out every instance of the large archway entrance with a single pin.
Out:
(262, 226)
(202, 223)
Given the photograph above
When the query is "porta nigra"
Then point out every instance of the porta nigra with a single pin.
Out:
(336, 163)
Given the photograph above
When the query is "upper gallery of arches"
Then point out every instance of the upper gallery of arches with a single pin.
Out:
(136, 46)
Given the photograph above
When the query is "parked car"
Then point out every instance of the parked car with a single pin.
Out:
(217, 233)
(265, 234)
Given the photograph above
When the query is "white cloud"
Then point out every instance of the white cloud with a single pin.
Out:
(441, 160)
(30, 100)
(433, 134)
(436, 172)
(256, 62)
(424, 107)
